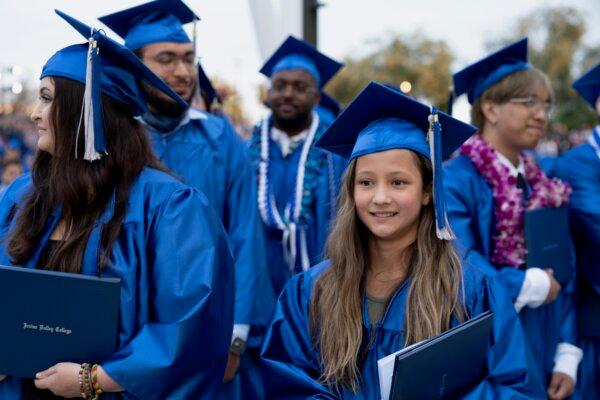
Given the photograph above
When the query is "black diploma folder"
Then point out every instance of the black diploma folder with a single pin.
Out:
(547, 238)
(444, 366)
(49, 317)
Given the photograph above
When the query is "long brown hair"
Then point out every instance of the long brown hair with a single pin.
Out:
(82, 189)
(434, 294)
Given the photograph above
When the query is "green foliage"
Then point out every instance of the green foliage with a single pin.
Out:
(423, 62)
(555, 47)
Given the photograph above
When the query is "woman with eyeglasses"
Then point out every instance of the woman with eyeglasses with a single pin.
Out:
(492, 184)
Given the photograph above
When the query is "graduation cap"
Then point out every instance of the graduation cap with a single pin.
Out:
(478, 77)
(328, 108)
(211, 96)
(153, 22)
(588, 86)
(103, 66)
(381, 119)
(297, 54)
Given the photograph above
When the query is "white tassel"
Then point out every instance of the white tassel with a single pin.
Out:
(90, 153)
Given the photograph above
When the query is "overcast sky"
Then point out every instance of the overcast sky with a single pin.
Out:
(30, 32)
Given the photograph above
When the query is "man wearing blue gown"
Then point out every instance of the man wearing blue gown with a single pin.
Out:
(581, 168)
(297, 183)
(203, 151)
(549, 324)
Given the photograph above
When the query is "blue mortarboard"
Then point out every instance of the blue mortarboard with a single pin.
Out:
(297, 54)
(381, 119)
(328, 108)
(588, 86)
(153, 22)
(478, 77)
(103, 66)
(212, 97)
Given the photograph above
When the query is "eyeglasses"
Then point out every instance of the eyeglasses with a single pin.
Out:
(534, 104)
(169, 62)
(298, 88)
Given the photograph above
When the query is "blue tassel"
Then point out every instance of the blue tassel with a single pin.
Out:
(443, 230)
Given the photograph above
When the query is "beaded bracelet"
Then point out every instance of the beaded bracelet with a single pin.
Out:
(97, 391)
(84, 381)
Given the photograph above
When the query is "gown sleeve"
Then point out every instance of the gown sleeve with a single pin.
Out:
(508, 361)
(254, 295)
(181, 353)
(461, 202)
(290, 361)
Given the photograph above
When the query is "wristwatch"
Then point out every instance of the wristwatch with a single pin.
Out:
(238, 346)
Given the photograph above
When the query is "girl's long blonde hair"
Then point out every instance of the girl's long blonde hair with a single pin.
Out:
(434, 294)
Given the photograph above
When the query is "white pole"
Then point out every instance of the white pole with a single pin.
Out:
(274, 20)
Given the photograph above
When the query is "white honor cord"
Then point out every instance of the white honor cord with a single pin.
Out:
(289, 230)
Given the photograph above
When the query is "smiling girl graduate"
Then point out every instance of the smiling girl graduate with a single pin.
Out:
(491, 184)
(98, 203)
(392, 277)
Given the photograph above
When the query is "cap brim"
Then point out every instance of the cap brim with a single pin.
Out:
(124, 58)
(588, 86)
(326, 66)
(376, 102)
(121, 21)
(465, 79)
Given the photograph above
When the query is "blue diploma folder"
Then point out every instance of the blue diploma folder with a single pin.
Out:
(49, 317)
(547, 238)
(446, 365)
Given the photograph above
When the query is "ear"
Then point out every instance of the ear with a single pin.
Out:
(490, 112)
(426, 198)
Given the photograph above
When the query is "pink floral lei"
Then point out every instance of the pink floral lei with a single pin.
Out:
(508, 235)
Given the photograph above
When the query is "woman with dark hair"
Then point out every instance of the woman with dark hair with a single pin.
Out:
(98, 202)
(490, 187)
(392, 277)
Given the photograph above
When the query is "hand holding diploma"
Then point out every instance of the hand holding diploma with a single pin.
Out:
(554, 287)
(62, 379)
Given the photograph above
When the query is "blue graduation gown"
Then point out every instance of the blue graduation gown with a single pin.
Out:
(206, 153)
(291, 362)
(470, 204)
(581, 168)
(327, 170)
(176, 271)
